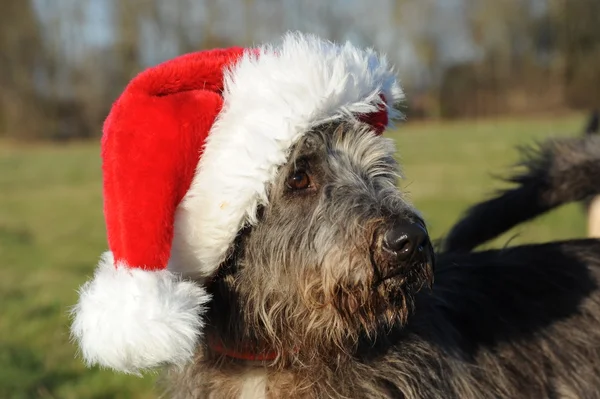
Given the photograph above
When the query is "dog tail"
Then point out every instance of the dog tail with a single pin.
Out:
(555, 172)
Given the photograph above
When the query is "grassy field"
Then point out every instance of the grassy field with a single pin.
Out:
(52, 232)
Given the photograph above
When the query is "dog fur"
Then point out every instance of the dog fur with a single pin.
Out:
(313, 283)
(555, 172)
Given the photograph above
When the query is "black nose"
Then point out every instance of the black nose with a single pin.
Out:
(405, 239)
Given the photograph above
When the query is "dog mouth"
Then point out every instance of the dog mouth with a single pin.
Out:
(392, 297)
(397, 275)
(383, 279)
(422, 274)
(419, 267)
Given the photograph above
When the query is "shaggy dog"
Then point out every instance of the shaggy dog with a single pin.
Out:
(333, 293)
(556, 172)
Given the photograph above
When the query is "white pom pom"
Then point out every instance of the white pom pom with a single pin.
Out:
(129, 319)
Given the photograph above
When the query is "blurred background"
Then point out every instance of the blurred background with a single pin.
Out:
(481, 77)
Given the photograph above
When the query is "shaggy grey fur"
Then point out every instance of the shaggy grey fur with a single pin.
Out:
(312, 282)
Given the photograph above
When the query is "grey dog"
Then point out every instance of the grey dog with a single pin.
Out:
(336, 293)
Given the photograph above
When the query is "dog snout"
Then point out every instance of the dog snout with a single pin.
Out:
(405, 239)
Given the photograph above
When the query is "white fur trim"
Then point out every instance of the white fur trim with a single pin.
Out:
(270, 101)
(132, 319)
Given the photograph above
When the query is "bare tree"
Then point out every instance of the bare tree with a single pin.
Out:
(21, 53)
(579, 26)
(458, 58)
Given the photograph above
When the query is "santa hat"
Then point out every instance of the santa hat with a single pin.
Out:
(189, 150)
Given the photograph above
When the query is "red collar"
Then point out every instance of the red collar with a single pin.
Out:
(245, 354)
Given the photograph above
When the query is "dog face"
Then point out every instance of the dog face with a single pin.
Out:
(337, 254)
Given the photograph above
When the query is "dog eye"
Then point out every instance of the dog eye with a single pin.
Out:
(298, 180)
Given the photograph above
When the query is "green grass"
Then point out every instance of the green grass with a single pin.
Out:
(450, 166)
(52, 233)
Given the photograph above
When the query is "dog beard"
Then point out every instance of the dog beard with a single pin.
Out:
(384, 303)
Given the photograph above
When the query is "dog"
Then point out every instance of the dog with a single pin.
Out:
(336, 292)
(554, 173)
(259, 246)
